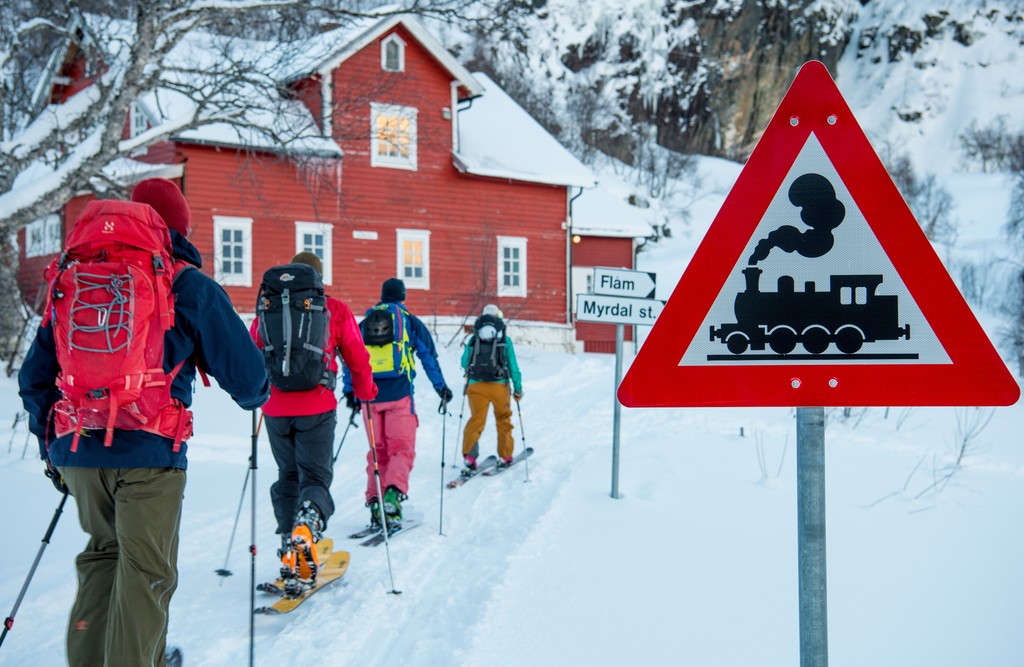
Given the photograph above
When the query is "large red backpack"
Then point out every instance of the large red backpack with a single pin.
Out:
(111, 304)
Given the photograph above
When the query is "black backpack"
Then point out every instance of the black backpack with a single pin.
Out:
(295, 327)
(487, 361)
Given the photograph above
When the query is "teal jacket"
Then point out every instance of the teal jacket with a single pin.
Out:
(510, 358)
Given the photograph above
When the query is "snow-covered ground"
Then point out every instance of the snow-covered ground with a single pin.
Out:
(695, 564)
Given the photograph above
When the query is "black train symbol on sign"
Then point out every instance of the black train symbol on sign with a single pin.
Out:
(848, 314)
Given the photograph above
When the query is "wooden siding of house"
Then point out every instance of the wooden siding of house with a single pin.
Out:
(163, 152)
(308, 91)
(274, 192)
(601, 251)
(463, 214)
(73, 71)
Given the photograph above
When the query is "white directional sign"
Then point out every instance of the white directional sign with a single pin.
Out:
(622, 282)
(616, 309)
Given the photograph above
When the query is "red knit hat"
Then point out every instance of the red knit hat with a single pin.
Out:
(165, 197)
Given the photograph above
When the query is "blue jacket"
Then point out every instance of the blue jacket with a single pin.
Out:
(393, 389)
(206, 328)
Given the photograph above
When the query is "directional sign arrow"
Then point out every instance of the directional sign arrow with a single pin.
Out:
(622, 282)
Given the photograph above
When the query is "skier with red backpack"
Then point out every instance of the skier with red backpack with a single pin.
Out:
(301, 330)
(107, 384)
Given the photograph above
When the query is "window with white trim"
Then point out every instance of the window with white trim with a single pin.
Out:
(139, 120)
(392, 54)
(512, 266)
(43, 237)
(393, 136)
(414, 258)
(315, 237)
(232, 251)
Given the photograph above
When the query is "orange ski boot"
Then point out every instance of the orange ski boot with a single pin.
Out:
(303, 558)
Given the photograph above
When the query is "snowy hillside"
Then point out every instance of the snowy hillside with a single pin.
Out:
(917, 85)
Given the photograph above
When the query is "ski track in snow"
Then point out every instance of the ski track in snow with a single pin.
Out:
(446, 581)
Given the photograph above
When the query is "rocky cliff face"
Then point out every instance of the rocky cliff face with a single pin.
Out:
(754, 53)
(701, 77)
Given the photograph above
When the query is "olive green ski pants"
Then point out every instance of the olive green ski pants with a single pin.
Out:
(128, 570)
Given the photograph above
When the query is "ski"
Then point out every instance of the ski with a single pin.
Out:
(497, 470)
(468, 474)
(365, 532)
(330, 571)
(404, 526)
(323, 551)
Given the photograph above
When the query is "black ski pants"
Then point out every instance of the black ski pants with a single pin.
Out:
(303, 449)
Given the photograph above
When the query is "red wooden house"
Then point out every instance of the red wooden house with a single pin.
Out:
(404, 164)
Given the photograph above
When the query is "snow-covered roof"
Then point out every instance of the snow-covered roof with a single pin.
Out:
(598, 212)
(497, 138)
(243, 114)
(126, 171)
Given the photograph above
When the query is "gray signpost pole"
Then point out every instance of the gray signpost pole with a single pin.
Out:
(810, 486)
(616, 410)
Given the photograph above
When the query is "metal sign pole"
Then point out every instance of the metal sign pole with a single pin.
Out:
(810, 485)
(616, 411)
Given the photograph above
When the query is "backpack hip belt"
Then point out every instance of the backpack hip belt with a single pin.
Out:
(173, 421)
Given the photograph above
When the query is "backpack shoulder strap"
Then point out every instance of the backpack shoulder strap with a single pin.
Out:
(180, 268)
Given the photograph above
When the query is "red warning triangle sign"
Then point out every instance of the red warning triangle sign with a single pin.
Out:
(815, 286)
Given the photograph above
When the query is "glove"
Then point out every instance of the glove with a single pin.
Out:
(445, 393)
(517, 394)
(54, 475)
(351, 401)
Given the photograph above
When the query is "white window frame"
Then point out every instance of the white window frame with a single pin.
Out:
(221, 224)
(393, 161)
(400, 44)
(44, 236)
(138, 120)
(324, 229)
(413, 235)
(518, 243)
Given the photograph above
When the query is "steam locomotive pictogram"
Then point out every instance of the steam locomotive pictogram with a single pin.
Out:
(849, 314)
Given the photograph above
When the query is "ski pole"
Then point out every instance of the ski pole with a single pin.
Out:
(18, 416)
(443, 409)
(462, 411)
(24, 449)
(224, 571)
(523, 434)
(380, 501)
(351, 423)
(9, 621)
(252, 547)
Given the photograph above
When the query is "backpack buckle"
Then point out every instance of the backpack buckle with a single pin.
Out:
(97, 394)
(158, 264)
